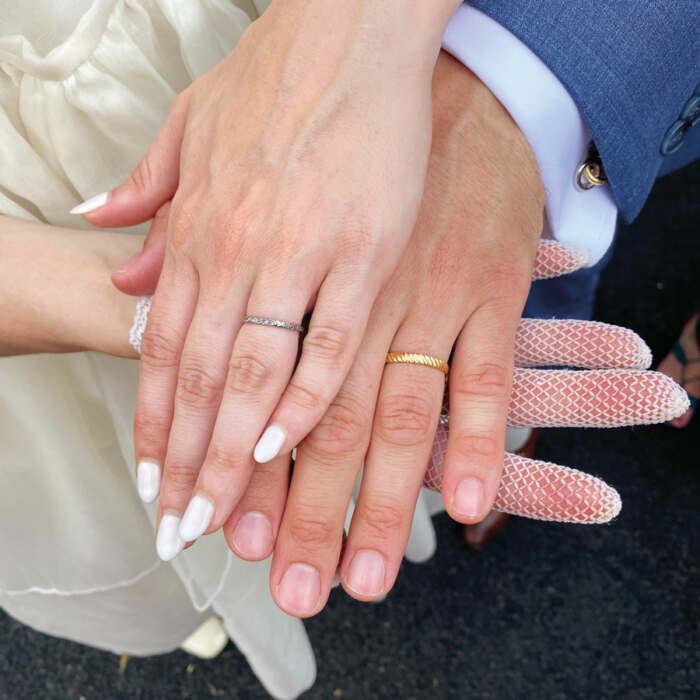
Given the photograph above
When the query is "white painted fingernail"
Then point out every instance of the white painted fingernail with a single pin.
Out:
(196, 519)
(168, 541)
(270, 444)
(148, 480)
(99, 200)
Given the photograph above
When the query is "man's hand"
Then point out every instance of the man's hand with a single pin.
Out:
(461, 283)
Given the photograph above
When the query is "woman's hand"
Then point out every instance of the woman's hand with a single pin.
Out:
(55, 291)
(295, 168)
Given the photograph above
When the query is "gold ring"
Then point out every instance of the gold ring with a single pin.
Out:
(414, 358)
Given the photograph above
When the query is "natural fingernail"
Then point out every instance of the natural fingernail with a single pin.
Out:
(469, 498)
(197, 517)
(148, 480)
(99, 200)
(366, 573)
(299, 589)
(168, 541)
(253, 535)
(270, 444)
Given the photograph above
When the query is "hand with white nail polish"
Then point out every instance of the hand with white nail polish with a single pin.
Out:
(294, 169)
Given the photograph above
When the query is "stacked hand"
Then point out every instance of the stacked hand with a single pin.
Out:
(209, 387)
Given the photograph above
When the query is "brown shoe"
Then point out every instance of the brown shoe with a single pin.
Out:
(478, 534)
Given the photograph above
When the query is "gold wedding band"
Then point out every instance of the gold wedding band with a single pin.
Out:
(414, 358)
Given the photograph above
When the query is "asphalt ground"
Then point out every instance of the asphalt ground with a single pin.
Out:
(545, 611)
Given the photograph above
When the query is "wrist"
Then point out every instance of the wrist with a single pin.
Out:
(408, 28)
(463, 106)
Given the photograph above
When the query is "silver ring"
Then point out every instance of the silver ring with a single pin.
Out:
(275, 323)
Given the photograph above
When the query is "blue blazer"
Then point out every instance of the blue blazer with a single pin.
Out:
(633, 69)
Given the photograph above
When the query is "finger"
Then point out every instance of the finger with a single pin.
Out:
(479, 391)
(138, 276)
(252, 528)
(404, 427)
(540, 490)
(593, 398)
(258, 370)
(337, 327)
(168, 319)
(585, 344)
(201, 376)
(328, 461)
(151, 184)
(555, 259)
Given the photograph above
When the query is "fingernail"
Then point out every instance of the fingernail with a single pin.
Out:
(253, 535)
(168, 541)
(148, 480)
(366, 573)
(99, 200)
(270, 444)
(299, 589)
(197, 517)
(469, 497)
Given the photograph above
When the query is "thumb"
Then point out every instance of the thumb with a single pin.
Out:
(138, 276)
(152, 183)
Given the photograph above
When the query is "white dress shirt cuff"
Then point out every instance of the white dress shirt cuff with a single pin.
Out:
(550, 121)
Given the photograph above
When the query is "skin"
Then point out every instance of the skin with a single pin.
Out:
(295, 169)
(483, 202)
(56, 291)
(468, 264)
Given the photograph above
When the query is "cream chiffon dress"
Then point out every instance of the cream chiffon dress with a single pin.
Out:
(84, 87)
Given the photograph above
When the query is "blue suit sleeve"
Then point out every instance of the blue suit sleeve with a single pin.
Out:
(632, 67)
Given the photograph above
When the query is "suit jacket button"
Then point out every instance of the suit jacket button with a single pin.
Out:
(674, 137)
(691, 111)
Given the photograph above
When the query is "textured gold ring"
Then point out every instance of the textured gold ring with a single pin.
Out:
(414, 358)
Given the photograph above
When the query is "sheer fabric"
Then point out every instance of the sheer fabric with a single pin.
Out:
(84, 87)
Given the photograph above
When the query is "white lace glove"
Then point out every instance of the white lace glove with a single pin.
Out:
(613, 388)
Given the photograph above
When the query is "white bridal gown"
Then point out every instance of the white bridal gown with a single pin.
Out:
(84, 87)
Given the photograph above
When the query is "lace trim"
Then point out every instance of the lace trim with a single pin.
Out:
(143, 306)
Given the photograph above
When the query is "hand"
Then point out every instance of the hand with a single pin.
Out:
(295, 169)
(616, 391)
(462, 282)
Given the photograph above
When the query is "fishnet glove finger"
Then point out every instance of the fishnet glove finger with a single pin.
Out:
(593, 398)
(585, 344)
(539, 490)
(555, 259)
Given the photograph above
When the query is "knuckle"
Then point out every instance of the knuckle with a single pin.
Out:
(326, 343)
(149, 427)
(468, 444)
(342, 430)
(383, 518)
(313, 533)
(220, 463)
(406, 420)
(248, 374)
(183, 219)
(198, 388)
(179, 478)
(509, 280)
(486, 380)
(142, 176)
(159, 348)
(306, 399)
